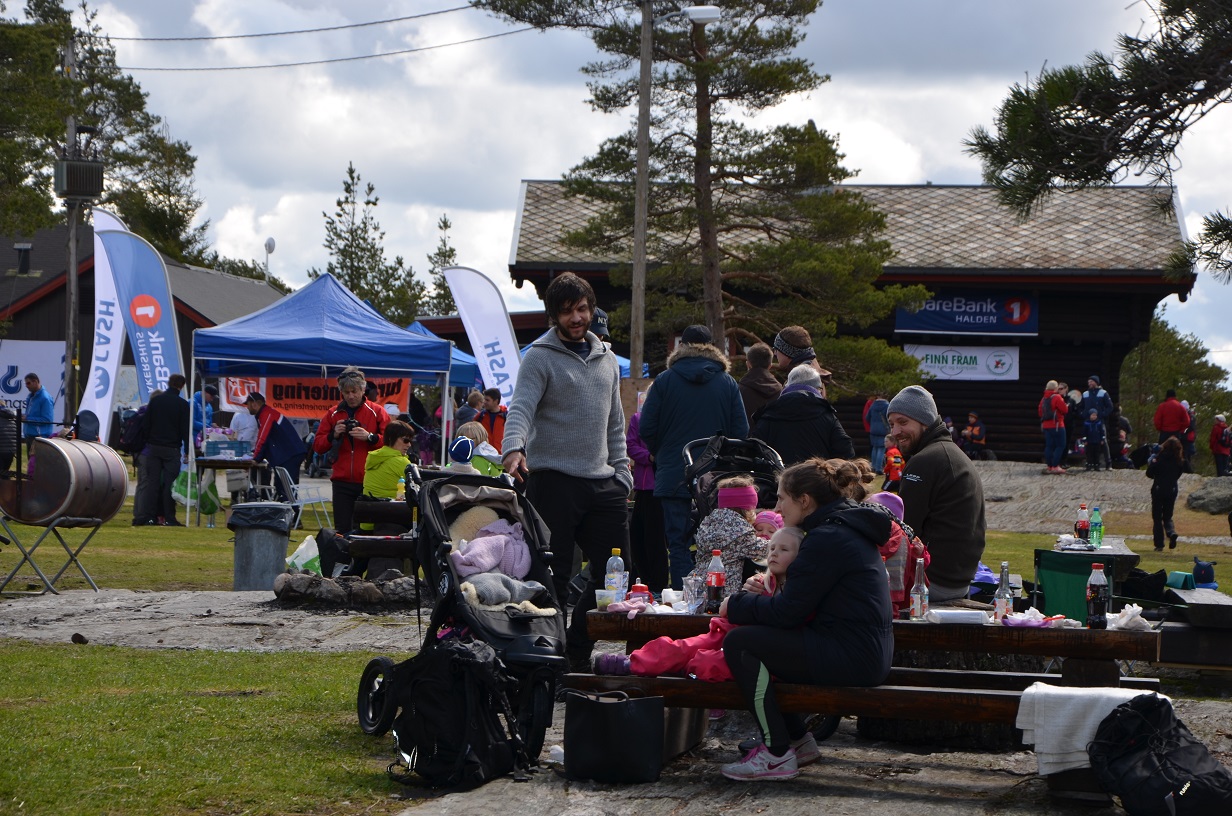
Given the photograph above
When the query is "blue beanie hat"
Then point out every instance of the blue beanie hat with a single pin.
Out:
(461, 450)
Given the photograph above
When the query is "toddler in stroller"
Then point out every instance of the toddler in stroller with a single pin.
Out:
(483, 550)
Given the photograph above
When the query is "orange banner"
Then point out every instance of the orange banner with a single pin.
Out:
(309, 397)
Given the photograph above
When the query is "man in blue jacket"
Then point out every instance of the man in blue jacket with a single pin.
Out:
(40, 412)
(694, 399)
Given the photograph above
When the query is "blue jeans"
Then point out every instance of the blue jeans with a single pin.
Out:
(675, 529)
(1054, 446)
(877, 457)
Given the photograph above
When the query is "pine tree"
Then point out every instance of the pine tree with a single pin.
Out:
(440, 302)
(355, 243)
(761, 207)
(1118, 116)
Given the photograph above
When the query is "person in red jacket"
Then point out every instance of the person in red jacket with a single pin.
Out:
(346, 434)
(493, 417)
(1171, 418)
(1052, 409)
(1220, 449)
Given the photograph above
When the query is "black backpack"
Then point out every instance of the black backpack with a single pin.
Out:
(1147, 757)
(1046, 411)
(132, 433)
(455, 728)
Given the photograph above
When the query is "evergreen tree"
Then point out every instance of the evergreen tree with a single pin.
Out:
(355, 243)
(760, 207)
(148, 175)
(440, 302)
(1118, 116)
(1170, 360)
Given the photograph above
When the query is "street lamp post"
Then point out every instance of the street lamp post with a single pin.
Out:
(700, 16)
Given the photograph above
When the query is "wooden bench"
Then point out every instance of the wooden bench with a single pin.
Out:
(908, 693)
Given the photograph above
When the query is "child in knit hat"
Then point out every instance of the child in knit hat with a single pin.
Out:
(729, 529)
(767, 523)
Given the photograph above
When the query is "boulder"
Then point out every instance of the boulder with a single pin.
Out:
(399, 590)
(1214, 496)
(366, 592)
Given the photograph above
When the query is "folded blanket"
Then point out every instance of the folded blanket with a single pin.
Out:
(496, 592)
(1061, 720)
(499, 545)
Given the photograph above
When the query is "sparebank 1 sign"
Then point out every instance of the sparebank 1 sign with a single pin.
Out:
(967, 362)
(973, 312)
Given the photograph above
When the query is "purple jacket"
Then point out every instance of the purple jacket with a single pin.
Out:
(643, 468)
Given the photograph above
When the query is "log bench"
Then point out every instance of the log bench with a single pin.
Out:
(908, 693)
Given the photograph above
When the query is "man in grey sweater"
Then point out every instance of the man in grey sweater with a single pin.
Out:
(565, 436)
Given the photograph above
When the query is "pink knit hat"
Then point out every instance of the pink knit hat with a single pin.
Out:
(769, 517)
(738, 498)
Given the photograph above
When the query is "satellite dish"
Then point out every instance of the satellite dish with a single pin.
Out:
(269, 245)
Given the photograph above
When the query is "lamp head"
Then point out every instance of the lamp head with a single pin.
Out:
(701, 15)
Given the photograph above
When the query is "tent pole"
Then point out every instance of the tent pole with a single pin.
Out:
(192, 440)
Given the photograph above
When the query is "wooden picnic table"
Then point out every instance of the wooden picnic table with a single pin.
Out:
(1091, 655)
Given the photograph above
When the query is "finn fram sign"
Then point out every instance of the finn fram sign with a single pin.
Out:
(973, 312)
(967, 363)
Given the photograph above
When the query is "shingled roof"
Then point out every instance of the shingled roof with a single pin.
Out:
(932, 228)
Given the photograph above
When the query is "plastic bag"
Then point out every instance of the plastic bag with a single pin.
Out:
(184, 491)
(306, 556)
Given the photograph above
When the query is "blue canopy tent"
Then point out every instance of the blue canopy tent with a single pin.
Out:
(317, 332)
(463, 368)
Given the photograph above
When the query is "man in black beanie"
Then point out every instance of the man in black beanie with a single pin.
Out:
(943, 498)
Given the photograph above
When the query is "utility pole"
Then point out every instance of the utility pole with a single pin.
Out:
(71, 294)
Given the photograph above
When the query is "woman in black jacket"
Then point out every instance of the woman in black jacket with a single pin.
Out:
(1164, 470)
(830, 624)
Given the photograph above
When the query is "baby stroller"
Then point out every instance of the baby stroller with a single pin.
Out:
(706, 462)
(529, 640)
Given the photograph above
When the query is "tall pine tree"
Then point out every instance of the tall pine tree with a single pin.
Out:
(355, 239)
(440, 302)
(764, 206)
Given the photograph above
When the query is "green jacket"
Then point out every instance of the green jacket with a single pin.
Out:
(382, 472)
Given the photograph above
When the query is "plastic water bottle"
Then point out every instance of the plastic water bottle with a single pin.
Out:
(716, 582)
(1082, 527)
(616, 578)
(919, 592)
(401, 495)
(1098, 596)
(1003, 601)
(1097, 528)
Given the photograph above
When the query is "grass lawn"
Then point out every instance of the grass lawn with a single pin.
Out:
(99, 729)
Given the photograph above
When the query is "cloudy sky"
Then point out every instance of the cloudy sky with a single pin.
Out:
(454, 129)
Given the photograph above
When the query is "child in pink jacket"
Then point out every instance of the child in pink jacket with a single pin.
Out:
(701, 657)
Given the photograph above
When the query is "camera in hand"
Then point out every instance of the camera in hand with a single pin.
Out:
(349, 424)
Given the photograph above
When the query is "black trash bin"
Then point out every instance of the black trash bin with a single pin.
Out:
(262, 535)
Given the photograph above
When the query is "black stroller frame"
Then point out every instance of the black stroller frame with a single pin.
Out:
(532, 647)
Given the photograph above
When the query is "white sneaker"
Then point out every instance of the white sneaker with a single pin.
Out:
(760, 764)
(806, 750)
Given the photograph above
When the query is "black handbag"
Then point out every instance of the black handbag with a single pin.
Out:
(612, 737)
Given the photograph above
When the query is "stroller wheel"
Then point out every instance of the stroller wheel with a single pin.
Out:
(375, 702)
(535, 713)
(823, 726)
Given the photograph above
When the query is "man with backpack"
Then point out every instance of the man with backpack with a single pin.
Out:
(1221, 445)
(1052, 410)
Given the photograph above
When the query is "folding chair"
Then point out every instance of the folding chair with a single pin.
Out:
(52, 529)
(298, 496)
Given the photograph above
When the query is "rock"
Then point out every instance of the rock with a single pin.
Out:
(301, 583)
(327, 591)
(389, 575)
(399, 590)
(280, 583)
(366, 592)
(1215, 496)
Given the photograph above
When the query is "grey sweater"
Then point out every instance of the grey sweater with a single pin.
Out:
(566, 413)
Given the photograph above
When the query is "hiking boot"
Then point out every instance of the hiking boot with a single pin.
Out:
(806, 748)
(1172, 537)
(615, 664)
(760, 764)
(579, 661)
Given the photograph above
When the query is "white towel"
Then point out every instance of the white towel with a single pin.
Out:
(1061, 720)
(956, 616)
